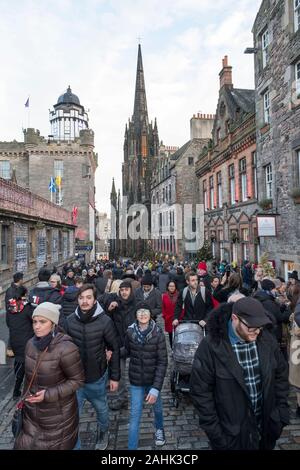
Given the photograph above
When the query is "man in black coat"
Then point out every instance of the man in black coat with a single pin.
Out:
(239, 381)
(150, 295)
(69, 301)
(19, 322)
(94, 333)
(12, 293)
(43, 292)
(121, 308)
(179, 278)
(196, 301)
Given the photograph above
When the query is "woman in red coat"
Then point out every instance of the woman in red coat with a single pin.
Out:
(169, 300)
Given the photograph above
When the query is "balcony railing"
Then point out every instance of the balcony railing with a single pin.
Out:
(18, 200)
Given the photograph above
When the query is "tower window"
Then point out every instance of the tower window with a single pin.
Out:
(5, 169)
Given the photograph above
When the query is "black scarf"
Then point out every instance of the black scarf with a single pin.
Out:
(127, 302)
(86, 317)
(43, 342)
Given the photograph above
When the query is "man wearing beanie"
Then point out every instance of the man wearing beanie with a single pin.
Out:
(239, 381)
(121, 308)
(149, 294)
(94, 333)
(279, 313)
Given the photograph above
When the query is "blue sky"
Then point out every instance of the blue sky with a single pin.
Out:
(92, 45)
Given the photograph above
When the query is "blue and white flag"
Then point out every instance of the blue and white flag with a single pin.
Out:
(52, 185)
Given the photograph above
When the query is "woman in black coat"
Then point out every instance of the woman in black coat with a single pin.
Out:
(19, 321)
(145, 345)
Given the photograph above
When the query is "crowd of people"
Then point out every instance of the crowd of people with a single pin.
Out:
(73, 333)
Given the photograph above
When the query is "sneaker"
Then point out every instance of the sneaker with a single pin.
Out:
(160, 437)
(102, 442)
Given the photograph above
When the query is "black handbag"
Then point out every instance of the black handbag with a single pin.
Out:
(17, 421)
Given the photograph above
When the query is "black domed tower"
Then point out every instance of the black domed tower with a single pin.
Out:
(68, 117)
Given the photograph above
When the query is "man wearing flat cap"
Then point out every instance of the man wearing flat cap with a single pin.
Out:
(239, 381)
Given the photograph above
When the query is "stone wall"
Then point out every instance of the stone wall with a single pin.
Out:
(278, 142)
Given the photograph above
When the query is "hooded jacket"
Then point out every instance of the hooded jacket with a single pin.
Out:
(69, 301)
(154, 300)
(220, 395)
(92, 339)
(148, 361)
(53, 423)
(42, 292)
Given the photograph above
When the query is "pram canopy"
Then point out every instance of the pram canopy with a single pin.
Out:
(187, 338)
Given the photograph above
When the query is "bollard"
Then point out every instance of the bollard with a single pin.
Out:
(2, 352)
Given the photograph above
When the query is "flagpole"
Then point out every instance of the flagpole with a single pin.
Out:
(28, 116)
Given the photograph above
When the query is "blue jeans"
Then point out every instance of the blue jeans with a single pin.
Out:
(96, 394)
(137, 396)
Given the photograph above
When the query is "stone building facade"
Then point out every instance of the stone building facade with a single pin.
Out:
(276, 34)
(174, 185)
(102, 235)
(68, 158)
(33, 231)
(227, 177)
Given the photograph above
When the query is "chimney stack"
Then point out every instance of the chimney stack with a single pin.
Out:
(226, 74)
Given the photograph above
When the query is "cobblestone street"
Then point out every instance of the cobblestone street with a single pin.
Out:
(181, 424)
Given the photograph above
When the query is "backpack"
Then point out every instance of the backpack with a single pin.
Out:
(202, 291)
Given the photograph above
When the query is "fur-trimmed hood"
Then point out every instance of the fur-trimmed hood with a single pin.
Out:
(218, 321)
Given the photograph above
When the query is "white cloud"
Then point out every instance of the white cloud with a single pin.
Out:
(92, 46)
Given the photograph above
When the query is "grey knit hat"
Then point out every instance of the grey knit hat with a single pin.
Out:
(49, 311)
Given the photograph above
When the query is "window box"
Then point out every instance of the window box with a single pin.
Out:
(266, 204)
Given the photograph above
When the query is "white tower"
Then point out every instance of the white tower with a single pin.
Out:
(68, 117)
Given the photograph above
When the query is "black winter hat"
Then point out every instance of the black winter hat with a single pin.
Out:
(18, 276)
(267, 284)
(147, 279)
(125, 284)
(294, 275)
(143, 305)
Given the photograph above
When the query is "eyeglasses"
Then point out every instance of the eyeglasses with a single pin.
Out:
(251, 329)
(143, 312)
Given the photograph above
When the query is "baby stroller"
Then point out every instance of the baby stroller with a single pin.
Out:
(186, 339)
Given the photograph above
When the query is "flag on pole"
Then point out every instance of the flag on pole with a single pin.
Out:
(27, 103)
(52, 186)
(58, 181)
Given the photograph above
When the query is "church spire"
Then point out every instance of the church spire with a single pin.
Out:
(140, 112)
(113, 194)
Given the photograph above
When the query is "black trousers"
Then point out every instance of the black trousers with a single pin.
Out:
(19, 368)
